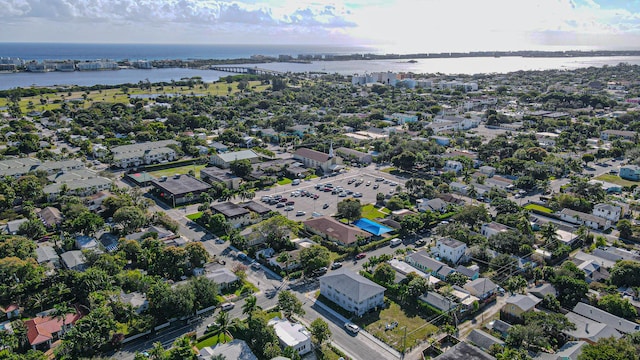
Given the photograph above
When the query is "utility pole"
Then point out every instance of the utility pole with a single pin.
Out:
(404, 342)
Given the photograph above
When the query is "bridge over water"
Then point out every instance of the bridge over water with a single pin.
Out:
(247, 70)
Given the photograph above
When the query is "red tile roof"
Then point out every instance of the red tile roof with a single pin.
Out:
(41, 329)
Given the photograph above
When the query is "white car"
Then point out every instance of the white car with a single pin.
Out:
(351, 327)
(301, 213)
(227, 306)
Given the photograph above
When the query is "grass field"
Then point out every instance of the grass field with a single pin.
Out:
(83, 99)
(371, 212)
(285, 181)
(213, 340)
(195, 216)
(615, 179)
(178, 170)
(417, 328)
(538, 208)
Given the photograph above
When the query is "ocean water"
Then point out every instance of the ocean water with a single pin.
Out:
(468, 65)
(64, 51)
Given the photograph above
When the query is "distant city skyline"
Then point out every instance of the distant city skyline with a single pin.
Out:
(398, 26)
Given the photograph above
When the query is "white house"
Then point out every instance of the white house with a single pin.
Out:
(580, 218)
(351, 291)
(607, 211)
(449, 249)
(224, 160)
(489, 229)
(143, 153)
(452, 165)
(293, 335)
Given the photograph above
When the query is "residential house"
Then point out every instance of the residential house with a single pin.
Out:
(458, 187)
(94, 202)
(580, 218)
(463, 350)
(351, 291)
(313, 159)
(593, 271)
(333, 230)
(500, 327)
(487, 170)
(630, 172)
(222, 276)
(10, 311)
(569, 351)
(43, 330)
(224, 160)
(540, 291)
(233, 350)
(622, 325)
(47, 255)
(607, 211)
(401, 118)
(423, 262)
(472, 272)
(438, 301)
(84, 242)
(589, 330)
(482, 288)
(137, 300)
(435, 205)
(618, 134)
(441, 140)
(490, 229)
(50, 217)
(74, 260)
(292, 335)
(518, 304)
(449, 249)
(235, 214)
(453, 165)
(13, 226)
(483, 340)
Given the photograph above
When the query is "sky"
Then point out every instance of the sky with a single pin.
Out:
(394, 26)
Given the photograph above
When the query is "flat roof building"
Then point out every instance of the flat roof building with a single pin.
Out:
(179, 189)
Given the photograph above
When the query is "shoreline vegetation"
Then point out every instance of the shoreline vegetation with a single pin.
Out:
(308, 58)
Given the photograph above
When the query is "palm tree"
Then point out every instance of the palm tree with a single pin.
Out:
(225, 323)
(473, 193)
(550, 235)
(250, 305)
(60, 312)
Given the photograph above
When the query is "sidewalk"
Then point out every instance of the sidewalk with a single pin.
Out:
(364, 333)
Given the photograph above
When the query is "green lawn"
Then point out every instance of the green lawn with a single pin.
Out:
(539, 208)
(195, 216)
(616, 180)
(178, 170)
(285, 181)
(371, 212)
(418, 329)
(213, 340)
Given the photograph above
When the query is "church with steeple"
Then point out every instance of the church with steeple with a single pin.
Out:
(322, 163)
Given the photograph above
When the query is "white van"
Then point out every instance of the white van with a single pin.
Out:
(227, 306)
(295, 182)
(395, 242)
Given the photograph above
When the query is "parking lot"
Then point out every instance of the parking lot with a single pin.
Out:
(327, 202)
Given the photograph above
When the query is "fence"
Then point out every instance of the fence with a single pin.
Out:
(136, 336)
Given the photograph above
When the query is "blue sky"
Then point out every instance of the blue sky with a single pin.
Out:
(391, 25)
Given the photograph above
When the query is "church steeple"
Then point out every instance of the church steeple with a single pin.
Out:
(331, 150)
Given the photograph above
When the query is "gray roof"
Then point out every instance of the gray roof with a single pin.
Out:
(452, 243)
(462, 350)
(569, 351)
(436, 204)
(180, 185)
(438, 301)
(482, 339)
(614, 254)
(73, 258)
(601, 316)
(466, 271)
(142, 147)
(480, 286)
(589, 329)
(584, 216)
(445, 270)
(97, 182)
(50, 216)
(238, 155)
(222, 276)
(351, 284)
(46, 254)
(500, 326)
(229, 209)
(542, 290)
(233, 350)
(422, 258)
(524, 302)
(14, 225)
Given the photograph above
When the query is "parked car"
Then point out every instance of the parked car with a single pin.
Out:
(325, 206)
(352, 328)
(376, 186)
(288, 208)
(336, 265)
(357, 195)
(301, 213)
(319, 272)
(256, 266)
(227, 306)
(361, 256)
(280, 205)
(289, 203)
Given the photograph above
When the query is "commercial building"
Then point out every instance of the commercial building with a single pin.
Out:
(179, 189)
(235, 214)
(224, 160)
(214, 174)
(333, 230)
(317, 160)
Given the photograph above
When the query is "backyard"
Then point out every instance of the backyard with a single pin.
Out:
(615, 179)
(538, 208)
(370, 212)
(213, 340)
(417, 328)
(178, 170)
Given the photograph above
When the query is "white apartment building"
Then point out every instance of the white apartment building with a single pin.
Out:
(143, 153)
(351, 291)
(449, 249)
(607, 211)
